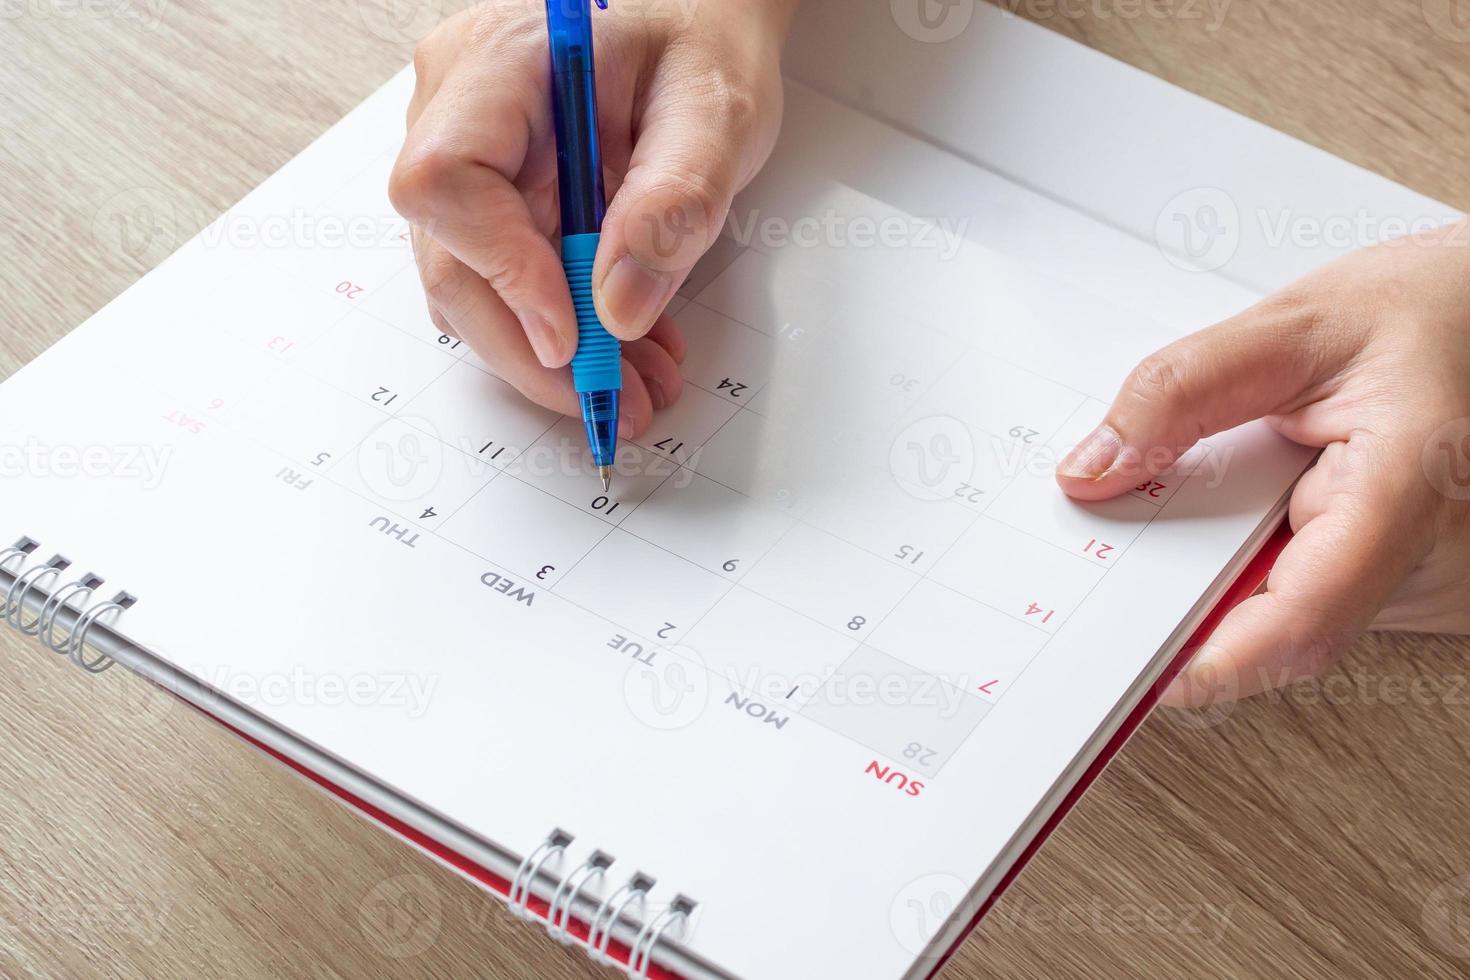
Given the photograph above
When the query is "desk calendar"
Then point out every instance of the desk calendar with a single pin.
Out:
(791, 698)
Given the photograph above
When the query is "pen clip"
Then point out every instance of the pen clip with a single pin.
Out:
(601, 4)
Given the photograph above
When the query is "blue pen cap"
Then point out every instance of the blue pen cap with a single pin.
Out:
(574, 111)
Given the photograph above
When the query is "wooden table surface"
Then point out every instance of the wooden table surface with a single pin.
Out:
(1319, 833)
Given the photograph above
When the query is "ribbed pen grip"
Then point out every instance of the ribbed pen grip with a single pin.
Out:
(598, 363)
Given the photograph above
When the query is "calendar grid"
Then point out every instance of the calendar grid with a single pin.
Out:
(923, 577)
(980, 515)
(1088, 595)
(393, 414)
(888, 566)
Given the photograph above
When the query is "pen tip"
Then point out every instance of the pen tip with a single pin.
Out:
(606, 473)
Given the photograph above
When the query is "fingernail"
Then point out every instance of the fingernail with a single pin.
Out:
(543, 337)
(441, 324)
(632, 294)
(656, 394)
(1093, 455)
(1206, 659)
(1207, 678)
(625, 424)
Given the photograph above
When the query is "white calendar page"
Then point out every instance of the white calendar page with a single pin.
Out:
(833, 644)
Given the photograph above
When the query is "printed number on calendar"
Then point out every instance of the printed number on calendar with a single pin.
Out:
(908, 553)
(1046, 614)
(969, 494)
(919, 752)
(1024, 434)
(904, 383)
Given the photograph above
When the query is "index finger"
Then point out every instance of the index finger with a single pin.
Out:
(456, 177)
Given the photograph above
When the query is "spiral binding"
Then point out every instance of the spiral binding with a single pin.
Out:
(623, 904)
(72, 596)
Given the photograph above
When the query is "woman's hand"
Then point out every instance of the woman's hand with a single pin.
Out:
(1368, 358)
(689, 109)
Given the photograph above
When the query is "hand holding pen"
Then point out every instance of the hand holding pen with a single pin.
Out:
(688, 97)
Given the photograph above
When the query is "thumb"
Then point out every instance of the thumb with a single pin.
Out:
(1265, 361)
(690, 159)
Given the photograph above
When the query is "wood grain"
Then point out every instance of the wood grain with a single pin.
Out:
(1318, 833)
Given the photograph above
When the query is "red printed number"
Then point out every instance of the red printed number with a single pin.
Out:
(1045, 614)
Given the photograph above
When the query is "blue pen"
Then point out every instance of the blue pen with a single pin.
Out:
(597, 367)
